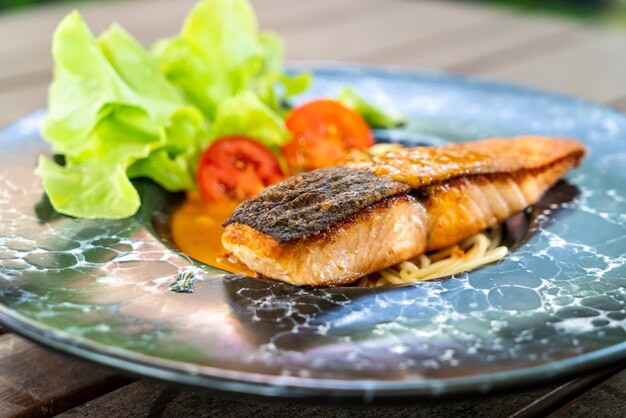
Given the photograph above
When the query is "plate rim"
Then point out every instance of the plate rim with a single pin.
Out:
(145, 365)
(287, 386)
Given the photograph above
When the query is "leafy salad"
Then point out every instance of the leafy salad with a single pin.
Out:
(216, 90)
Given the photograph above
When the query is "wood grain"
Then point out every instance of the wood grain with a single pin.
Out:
(390, 24)
(469, 43)
(537, 51)
(38, 382)
(554, 399)
(593, 66)
(16, 103)
(26, 59)
(540, 52)
(619, 104)
(147, 399)
(608, 399)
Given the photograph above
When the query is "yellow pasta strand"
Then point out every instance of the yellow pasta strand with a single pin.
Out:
(473, 252)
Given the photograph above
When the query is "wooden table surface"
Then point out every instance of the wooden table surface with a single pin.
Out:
(533, 50)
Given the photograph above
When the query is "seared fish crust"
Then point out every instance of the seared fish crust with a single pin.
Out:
(313, 202)
(392, 229)
(333, 226)
(422, 166)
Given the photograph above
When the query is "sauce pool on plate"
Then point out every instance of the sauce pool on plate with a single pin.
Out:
(196, 228)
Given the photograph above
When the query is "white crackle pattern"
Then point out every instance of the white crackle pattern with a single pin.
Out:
(559, 294)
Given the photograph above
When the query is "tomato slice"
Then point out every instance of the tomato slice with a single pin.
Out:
(236, 168)
(324, 131)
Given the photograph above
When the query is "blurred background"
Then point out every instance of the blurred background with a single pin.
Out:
(577, 47)
(610, 12)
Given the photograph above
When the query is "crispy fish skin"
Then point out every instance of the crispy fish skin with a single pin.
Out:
(423, 166)
(311, 203)
(464, 206)
(444, 207)
(392, 229)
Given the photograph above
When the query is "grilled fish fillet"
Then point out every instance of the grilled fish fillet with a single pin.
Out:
(335, 225)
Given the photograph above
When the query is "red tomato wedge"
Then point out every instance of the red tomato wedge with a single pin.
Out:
(236, 168)
(324, 131)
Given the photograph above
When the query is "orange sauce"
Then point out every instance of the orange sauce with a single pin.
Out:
(196, 229)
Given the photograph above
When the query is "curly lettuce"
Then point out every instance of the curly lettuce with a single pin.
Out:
(117, 111)
(221, 52)
(245, 114)
(374, 116)
(110, 109)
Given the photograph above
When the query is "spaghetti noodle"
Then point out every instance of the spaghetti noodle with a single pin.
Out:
(473, 252)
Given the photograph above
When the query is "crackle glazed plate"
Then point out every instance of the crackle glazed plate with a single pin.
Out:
(554, 307)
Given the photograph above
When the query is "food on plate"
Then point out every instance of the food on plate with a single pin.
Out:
(335, 225)
(209, 112)
(476, 251)
(236, 168)
(373, 115)
(323, 131)
(117, 111)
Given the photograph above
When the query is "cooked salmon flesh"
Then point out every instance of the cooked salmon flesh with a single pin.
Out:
(334, 225)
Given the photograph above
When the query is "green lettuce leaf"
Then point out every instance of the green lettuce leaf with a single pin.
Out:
(273, 53)
(173, 166)
(295, 84)
(110, 108)
(272, 85)
(117, 111)
(374, 116)
(91, 76)
(216, 53)
(89, 191)
(245, 114)
(221, 52)
(172, 173)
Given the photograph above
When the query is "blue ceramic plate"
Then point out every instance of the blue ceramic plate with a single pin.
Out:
(555, 306)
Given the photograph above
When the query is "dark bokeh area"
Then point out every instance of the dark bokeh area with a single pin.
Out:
(604, 12)
(22, 4)
(570, 7)
(595, 11)
(579, 8)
